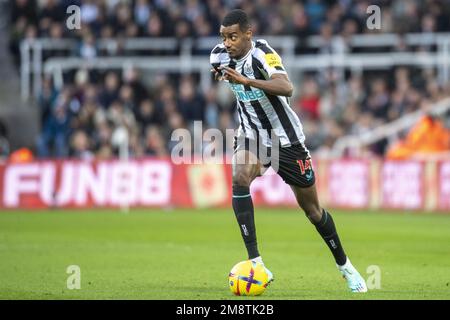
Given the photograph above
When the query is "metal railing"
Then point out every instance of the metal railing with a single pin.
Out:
(32, 52)
(297, 64)
(4, 13)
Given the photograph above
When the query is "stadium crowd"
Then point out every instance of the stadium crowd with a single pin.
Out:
(84, 118)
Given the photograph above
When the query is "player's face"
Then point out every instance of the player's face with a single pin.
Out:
(236, 41)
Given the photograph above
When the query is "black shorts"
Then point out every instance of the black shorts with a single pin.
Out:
(293, 164)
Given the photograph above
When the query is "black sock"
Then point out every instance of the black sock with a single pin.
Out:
(243, 209)
(327, 230)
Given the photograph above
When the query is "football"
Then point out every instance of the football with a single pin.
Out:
(248, 278)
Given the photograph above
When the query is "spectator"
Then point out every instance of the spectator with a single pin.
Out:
(120, 116)
(105, 152)
(46, 100)
(190, 103)
(89, 11)
(212, 109)
(154, 142)
(109, 93)
(148, 115)
(127, 98)
(80, 146)
(142, 12)
(308, 103)
(132, 78)
(88, 48)
(56, 32)
(22, 155)
(378, 100)
(123, 18)
(4, 143)
(52, 142)
(24, 10)
(154, 26)
(427, 137)
(50, 12)
(103, 132)
(315, 10)
(299, 23)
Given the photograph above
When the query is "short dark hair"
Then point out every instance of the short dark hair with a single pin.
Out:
(236, 16)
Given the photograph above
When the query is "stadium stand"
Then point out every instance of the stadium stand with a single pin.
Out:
(81, 118)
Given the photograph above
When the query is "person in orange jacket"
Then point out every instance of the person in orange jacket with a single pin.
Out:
(21, 155)
(428, 136)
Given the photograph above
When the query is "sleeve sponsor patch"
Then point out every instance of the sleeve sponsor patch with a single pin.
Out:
(273, 60)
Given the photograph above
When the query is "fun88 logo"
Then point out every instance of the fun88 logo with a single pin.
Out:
(244, 95)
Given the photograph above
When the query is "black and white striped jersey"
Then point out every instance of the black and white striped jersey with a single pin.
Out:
(259, 112)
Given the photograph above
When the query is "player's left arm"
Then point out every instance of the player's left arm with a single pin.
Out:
(278, 84)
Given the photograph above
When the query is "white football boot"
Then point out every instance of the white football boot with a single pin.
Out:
(354, 280)
(269, 273)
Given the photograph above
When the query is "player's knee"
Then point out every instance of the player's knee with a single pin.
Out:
(313, 213)
(242, 178)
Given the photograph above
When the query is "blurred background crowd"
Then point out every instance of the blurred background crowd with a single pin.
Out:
(83, 118)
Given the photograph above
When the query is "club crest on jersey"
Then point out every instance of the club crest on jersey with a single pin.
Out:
(248, 70)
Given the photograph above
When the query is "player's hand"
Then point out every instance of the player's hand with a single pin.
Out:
(233, 76)
(217, 75)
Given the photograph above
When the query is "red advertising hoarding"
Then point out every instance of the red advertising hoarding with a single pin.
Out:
(346, 183)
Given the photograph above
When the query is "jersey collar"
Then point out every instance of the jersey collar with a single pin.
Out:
(247, 54)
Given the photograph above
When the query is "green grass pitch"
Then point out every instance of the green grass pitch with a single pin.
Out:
(187, 254)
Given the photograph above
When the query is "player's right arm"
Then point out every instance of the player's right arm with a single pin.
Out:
(217, 53)
(278, 84)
